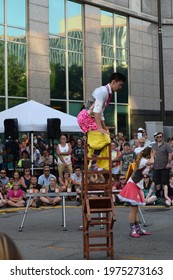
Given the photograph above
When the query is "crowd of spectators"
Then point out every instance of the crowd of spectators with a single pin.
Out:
(58, 168)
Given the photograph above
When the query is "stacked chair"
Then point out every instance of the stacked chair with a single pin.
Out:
(98, 209)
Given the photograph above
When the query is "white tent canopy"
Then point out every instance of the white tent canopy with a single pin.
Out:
(32, 116)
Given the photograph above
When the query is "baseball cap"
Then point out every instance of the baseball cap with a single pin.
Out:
(155, 134)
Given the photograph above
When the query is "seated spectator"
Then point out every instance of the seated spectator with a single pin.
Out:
(121, 183)
(46, 158)
(64, 156)
(5, 191)
(168, 193)
(3, 178)
(149, 190)
(25, 180)
(44, 179)
(77, 183)
(96, 178)
(24, 157)
(3, 201)
(10, 182)
(78, 154)
(65, 181)
(15, 197)
(51, 200)
(34, 188)
(17, 179)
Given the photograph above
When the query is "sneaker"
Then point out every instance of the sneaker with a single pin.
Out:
(80, 228)
(142, 231)
(134, 234)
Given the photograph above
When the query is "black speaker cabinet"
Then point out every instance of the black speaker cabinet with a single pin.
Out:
(11, 129)
(53, 128)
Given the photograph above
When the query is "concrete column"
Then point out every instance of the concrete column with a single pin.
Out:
(38, 49)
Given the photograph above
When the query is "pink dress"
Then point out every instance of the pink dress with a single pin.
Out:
(132, 192)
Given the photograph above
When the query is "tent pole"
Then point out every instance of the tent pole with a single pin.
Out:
(32, 156)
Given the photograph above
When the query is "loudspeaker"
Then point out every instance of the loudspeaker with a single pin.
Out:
(11, 129)
(53, 128)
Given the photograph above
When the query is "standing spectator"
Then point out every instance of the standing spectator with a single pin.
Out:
(115, 154)
(141, 146)
(1, 154)
(8, 158)
(162, 163)
(64, 155)
(147, 141)
(78, 154)
(126, 158)
(77, 183)
(132, 141)
(44, 179)
(36, 156)
(3, 178)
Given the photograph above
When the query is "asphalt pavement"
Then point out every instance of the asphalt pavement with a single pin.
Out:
(43, 237)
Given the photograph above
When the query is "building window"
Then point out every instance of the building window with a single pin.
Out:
(13, 53)
(115, 59)
(66, 55)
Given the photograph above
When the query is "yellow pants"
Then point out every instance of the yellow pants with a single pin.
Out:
(97, 141)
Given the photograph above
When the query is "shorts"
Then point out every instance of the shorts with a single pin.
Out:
(161, 176)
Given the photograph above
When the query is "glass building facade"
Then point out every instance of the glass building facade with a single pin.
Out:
(57, 52)
(13, 53)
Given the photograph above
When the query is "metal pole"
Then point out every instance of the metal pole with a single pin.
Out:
(161, 72)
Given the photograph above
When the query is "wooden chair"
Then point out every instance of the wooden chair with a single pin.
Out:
(98, 209)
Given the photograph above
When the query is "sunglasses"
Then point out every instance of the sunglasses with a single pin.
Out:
(145, 177)
(141, 142)
(159, 136)
(3, 172)
(122, 179)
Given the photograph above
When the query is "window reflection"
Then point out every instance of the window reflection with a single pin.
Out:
(17, 35)
(2, 104)
(75, 76)
(2, 69)
(74, 20)
(16, 13)
(121, 31)
(107, 34)
(1, 32)
(74, 107)
(17, 70)
(56, 17)
(57, 76)
(14, 102)
(2, 11)
(59, 105)
(122, 117)
(70, 17)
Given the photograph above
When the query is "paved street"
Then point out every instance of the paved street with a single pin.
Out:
(43, 236)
